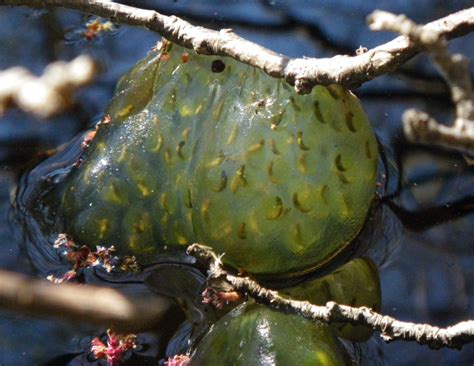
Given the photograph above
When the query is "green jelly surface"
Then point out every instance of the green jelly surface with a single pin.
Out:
(253, 334)
(355, 284)
(279, 182)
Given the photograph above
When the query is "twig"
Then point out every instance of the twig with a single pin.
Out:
(419, 126)
(391, 329)
(303, 73)
(81, 303)
(48, 94)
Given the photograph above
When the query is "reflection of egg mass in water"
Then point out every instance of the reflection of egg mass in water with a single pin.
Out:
(279, 182)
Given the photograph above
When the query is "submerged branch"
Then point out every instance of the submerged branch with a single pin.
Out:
(303, 73)
(81, 303)
(391, 329)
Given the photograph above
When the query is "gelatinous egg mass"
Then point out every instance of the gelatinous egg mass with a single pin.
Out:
(355, 284)
(210, 150)
(255, 335)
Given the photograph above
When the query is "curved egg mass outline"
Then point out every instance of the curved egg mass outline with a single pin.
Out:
(237, 160)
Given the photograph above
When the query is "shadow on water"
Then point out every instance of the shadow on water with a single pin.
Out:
(418, 234)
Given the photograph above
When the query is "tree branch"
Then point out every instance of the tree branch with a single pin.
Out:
(419, 126)
(81, 303)
(391, 329)
(303, 73)
(48, 94)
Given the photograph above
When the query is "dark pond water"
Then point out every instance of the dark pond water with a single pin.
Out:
(424, 249)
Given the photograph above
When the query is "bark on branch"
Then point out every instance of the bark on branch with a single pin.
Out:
(303, 73)
(419, 126)
(81, 303)
(390, 329)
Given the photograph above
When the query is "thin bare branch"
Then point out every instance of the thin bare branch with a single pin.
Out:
(81, 303)
(48, 94)
(303, 73)
(391, 329)
(419, 126)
